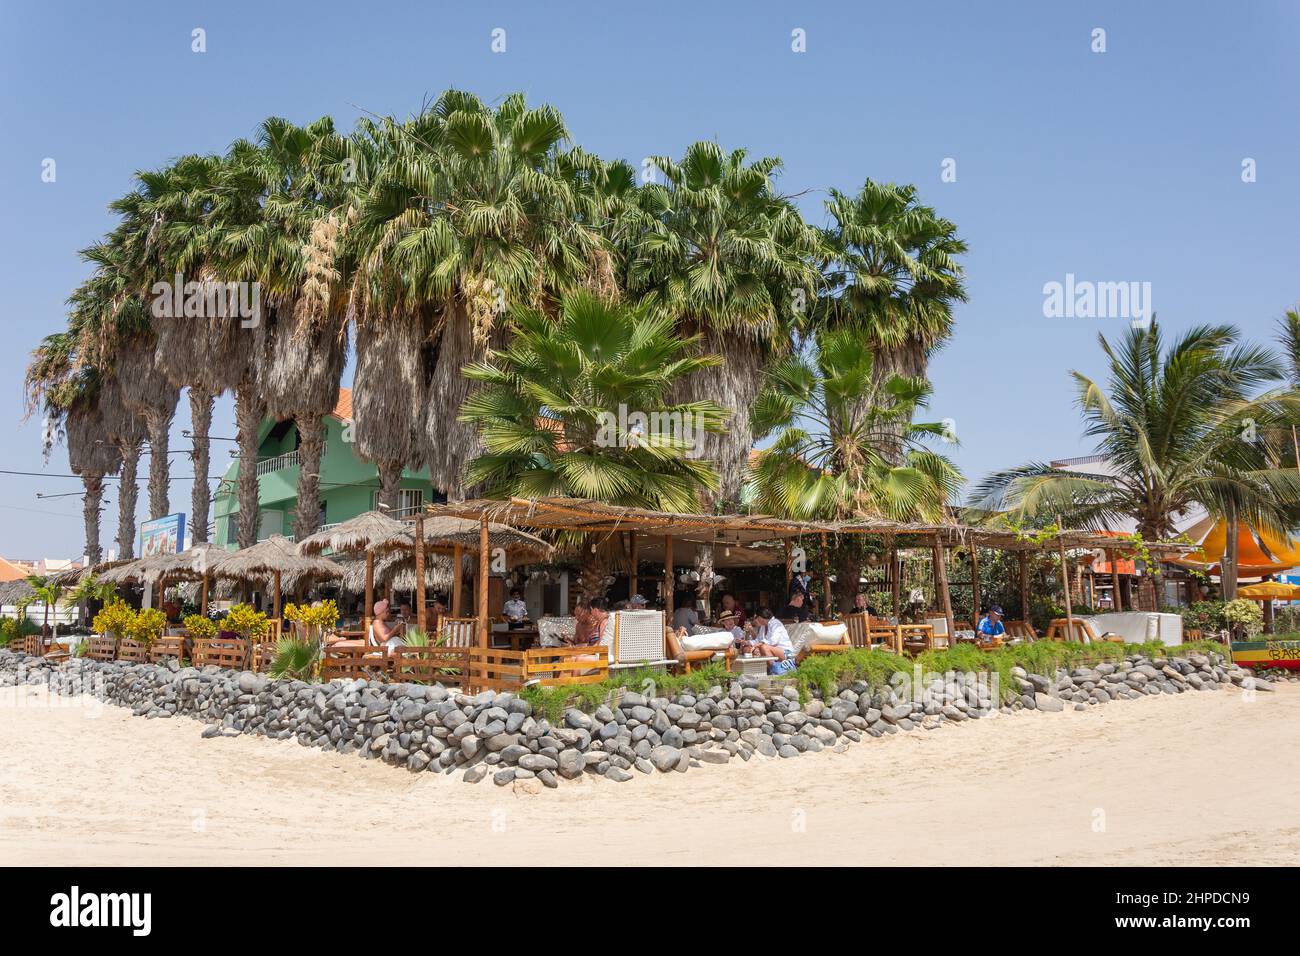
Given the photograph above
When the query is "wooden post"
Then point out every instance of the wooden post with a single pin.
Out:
(1268, 615)
(826, 578)
(203, 601)
(975, 585)
(483, 580)
(1023, 557)
(668, 578)
(457, 577)
(896, 573)
(1065, 584)
(787, 566)
(1117, 603)
(421, 618)
(275, 612)
(632, 579)
(370, 595)
(941, 585)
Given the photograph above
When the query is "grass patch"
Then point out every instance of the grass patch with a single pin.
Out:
(551, 702)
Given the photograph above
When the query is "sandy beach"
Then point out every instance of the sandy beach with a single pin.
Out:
(1146, 782)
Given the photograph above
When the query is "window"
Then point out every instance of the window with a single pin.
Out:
(409, 501)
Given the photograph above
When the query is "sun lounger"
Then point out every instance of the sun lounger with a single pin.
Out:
(698, 649)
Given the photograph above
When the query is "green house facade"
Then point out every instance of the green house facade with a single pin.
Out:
(348, 485)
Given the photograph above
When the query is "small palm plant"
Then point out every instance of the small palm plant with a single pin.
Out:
(295, 659)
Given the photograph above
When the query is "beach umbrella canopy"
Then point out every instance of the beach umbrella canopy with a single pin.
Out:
(125, 572)
(1258, 552)
(1269, 591)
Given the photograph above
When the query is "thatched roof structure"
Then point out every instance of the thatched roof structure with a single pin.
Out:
(11, 592)
(444, 532)
(369, 531)
(188, 565)
(276, 554)
(125, 572)
(396, 570)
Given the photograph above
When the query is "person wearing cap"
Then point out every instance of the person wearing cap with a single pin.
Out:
(637, 602)
(990, 625)
(382, 632)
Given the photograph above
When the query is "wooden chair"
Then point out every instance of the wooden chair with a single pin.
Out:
(686, 661)
(101, 648)
(448, 666)
(132, 652)
(1021, 629)
(458, 632)
(915, 638)
(219, 651)
(859, 627)
(1059, 630)
(550, 666)
(349, 663)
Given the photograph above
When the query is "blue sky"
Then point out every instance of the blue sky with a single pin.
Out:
(1115, 166)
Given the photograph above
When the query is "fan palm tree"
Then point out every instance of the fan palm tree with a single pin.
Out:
(551, 406)
(894, 277)
(828, 459)
(45, 591)
(466, 212)
(732, 262)
(1180, 426)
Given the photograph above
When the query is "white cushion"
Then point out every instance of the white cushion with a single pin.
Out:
(709, 641)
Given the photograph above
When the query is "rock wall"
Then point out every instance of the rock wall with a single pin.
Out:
(428, 728)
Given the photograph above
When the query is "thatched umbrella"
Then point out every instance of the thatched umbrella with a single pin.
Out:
(196, 563)
(276, 557)
(397, 571)
(372, 532)
(125, 572)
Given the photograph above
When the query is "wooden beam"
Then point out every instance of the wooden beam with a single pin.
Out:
(632, 579)
(896, 574)
(457, 578)
(483, 580)
(668, 578)
(975, 584)
(275, 612)
(788, 572)
(826, 577)
(420, 617)
(1023, 557)
(203, 601)
(941, 586)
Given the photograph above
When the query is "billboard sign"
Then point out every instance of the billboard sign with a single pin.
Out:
(165, 535)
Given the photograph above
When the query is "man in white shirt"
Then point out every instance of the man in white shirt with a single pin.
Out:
(771, 639)
(515, 609)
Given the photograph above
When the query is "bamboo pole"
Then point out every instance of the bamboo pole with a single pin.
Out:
(975, 585)
(203, 601)
(483, 580)
(420, 616)
(941, 585)
(826, 577)
(457, 578)
(787, 566)
(275, 612)
(896, 573)
(668, 577)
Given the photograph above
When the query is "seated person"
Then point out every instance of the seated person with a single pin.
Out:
(685, 616)
(515, 610)
(860, 605)
(590, 621)
(637, 602)
(383, 631)
(729, 621)
(797, 609)
(767, 637)
(730, 606)
(990, 625)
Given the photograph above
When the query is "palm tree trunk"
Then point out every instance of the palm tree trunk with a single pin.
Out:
(128, 492)
(734, 385)
(848, 571)
(94, 485)
(908, 361)
(311, 445)
(390, 484)
(447, 442)
(159, 424)
(200, 426)
(704, 568)
(592, 571)
(248, 421)
(1228, 566)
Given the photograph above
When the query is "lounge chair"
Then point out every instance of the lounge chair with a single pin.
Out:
(687, 660)
(458, 632)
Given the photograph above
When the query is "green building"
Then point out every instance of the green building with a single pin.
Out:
(348, 485)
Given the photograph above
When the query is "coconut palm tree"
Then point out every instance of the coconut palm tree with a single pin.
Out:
(551, 407)
(828, 459)
(732, 261)
(1180, 425)
(45, 591)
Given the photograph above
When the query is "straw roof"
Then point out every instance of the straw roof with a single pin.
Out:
(11, 592)
(369, 531)
(125, 572)
(276, 554)
(398, 571)
(446, 531)
(188, 565)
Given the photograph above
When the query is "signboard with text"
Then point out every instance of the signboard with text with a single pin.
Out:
(165, 535)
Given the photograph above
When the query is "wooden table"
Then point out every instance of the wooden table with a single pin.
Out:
(521, 638)
(926, 632)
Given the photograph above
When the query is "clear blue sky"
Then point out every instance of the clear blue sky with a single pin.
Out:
(1117, 166)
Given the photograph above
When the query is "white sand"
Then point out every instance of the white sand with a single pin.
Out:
(1162, 781)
